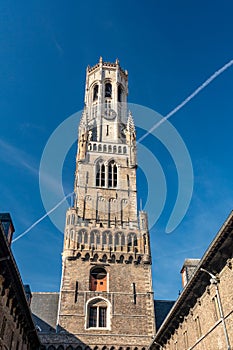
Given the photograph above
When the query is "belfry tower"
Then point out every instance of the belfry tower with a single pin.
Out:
(106, 297)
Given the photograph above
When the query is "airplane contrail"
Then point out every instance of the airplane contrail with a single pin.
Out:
(42, 218)
(176, 109)
(189, 98)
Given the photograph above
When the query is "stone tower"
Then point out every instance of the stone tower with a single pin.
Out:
(106, 297)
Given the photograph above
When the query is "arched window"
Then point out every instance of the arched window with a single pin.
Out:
(109, 238)
(95, 92)
(108, 90)
(85, 238)
(80, 237)
(104, 238)
(117, 241)
(97, 313)
(92, 237)
(100, 174)
(132, 239)
(112, 174)
(98, 279)
(122, 239)
(97, 238)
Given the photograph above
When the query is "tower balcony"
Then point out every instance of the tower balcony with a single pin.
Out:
(114, 148)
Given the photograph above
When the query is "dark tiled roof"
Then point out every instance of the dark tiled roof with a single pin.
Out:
(162, 308)
(44, 308)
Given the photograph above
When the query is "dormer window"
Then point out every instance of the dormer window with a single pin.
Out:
(108, 90)
(95, 92)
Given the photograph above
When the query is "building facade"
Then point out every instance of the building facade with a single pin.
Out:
(17, 330)
(202, 317)
(106, 298)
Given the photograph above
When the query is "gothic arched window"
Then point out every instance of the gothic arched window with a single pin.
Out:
(97, 313)
(108, 90)
(92, 238)
(80, 237)
(112, 174)
(97, 238)
(132, 239)
(100, 174)
(110, 238)
(85, 238)
(104, 238)
(122, 239)
(95, 92)
(117, 240)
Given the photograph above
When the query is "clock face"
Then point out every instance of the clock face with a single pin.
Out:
(109, 114)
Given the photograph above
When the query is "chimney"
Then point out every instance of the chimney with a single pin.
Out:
(188, 269)
(7, 225)
(28, 293)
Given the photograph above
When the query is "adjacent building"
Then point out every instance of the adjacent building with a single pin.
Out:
(17, 330)
(202, 317)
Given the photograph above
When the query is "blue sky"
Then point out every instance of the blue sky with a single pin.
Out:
(169, 48)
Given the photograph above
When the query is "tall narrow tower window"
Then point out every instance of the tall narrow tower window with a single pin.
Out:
(108, 90)
(119, 93)
(95, 92)
(94, 110)
(112, 174)
(100, 174)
